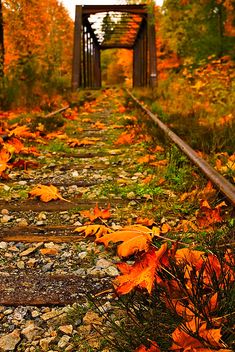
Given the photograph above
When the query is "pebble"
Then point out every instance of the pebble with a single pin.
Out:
(6, 218)
(63, 341)
(4, 212)
(20, 264)
(131, 195)
(3, 245)
(23, 223)
(112, 271)
(8, 342)
(82, 255)
(67, 329)
(31, 331)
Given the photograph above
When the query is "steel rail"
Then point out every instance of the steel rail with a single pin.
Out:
(216, 178)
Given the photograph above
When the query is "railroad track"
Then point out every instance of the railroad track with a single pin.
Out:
(43, 262)
(215, 177)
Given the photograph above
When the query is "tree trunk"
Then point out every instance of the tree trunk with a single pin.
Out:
(1, 43)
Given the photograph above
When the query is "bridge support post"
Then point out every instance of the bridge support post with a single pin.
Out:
(152, 54)
(76, 69)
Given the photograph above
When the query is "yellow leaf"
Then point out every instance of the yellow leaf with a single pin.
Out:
(46, 193)
(93, 230)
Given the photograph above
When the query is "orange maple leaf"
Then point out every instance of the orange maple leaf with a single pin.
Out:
(146, 158)
(46, 193)
(144, 221)
(5, 156)
(153, 348)
(183, 340)
(208, 216)
(93, 230)
(96, 213)
(125, 138)
(142, 273)
(22, 131)
(134, 239)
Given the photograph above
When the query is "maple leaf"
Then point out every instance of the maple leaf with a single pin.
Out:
(134, 239)
(159, 163)
(14, 145)
(208, 216)
(46, 193)
(183, 340)
(97, 213)
(5, 156)
(145, 221)
(125, 138)
(22, 131)
(153, 348)
(93, 230)
(142, 273)
(73, 142)
(146, 158)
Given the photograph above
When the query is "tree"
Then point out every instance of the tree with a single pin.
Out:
(1, 43)
(196, 29)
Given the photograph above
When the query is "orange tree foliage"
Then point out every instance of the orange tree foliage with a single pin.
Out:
(38, 38)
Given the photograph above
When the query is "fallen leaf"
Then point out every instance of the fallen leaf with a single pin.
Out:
(46, 193)
(96, 213)
(93, 230)
(153, 348)
(142, 273)
(49, 251)
(133, 241)
(5, 156)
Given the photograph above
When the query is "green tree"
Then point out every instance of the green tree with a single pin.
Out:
(196, 29)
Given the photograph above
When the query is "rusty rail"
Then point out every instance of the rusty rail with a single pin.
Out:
(217, 179)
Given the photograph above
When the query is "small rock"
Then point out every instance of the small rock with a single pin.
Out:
(75, 173)
(4, 212)
(31, 331)
(3, 245)
(103, 263)
(44, 343)
(23, 223)
(6, 188)
(41, 216)
(40, 223)
(50, 315)
(92, 318)
(22, 183)
(112, 271)
(20, 264)
(5, 219)
(132, 203)
(67, 329)
(8, 342)
(35, 314)
(30, 250)
(131, 195)
(13, 249)
(82, 255)
(63, 341)
(20, 313)
(95, 272)
(47, 267)
(8, 311)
